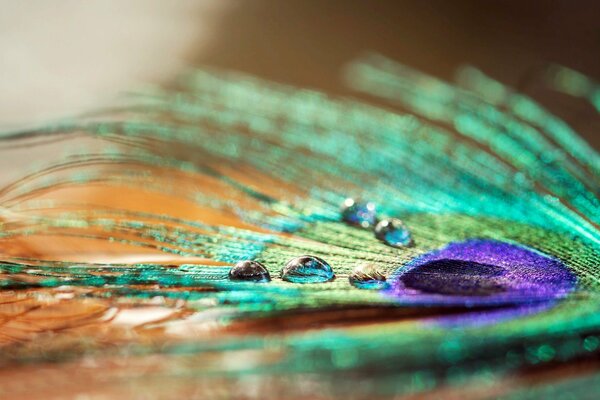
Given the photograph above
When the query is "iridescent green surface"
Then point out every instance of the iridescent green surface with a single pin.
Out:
(472, 160)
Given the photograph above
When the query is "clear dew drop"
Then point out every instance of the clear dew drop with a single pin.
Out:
(367, 276)
(393, 232)
(359, 213)
(251, 271)
(307, 269)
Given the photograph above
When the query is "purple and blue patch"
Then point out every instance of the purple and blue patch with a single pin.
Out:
(482, 273)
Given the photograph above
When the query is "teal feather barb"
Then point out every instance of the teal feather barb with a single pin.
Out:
(119, 230)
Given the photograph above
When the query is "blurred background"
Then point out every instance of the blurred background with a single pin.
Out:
(63, 57)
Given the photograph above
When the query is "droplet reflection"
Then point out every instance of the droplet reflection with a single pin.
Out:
(307, 269)
(359, 213)
(367, 276)
(249, 271)
(393, 232)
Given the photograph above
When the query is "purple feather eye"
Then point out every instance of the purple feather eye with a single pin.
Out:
(481, 272)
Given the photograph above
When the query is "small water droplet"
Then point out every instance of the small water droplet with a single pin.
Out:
(249, 271)
(367, 276)
(307, 269)
(359, 213)
(393, 232)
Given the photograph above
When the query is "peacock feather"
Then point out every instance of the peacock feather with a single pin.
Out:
(431, 238)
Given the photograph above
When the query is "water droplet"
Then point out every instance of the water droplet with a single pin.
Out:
(249, 271)
(359, 213)
(307, 269)
(393, 232)
(367, 276)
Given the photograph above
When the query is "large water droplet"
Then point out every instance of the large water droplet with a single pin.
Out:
(249, 271)
(367, 276)
(307, 269)
(393, 232)
(359, 213)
